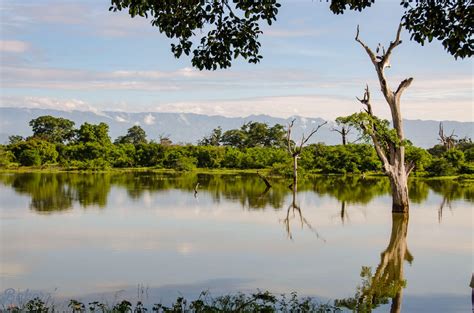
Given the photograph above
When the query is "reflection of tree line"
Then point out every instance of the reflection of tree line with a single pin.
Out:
(58, 191)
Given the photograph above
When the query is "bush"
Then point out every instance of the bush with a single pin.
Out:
(441, 167)
(29, 158)
(282, 169)
(185, 164)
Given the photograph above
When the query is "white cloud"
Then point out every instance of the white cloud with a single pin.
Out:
(327, 107)
(284, 106)
(13, 46)
(149, 119)
(49, 103)
(120, 119)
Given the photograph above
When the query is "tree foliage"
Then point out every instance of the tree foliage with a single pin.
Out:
(52, 129)
(216, 32)
(135, 135)
(252, 146)
(251, 134)
(231, 28)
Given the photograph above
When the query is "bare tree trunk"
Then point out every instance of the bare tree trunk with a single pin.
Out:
(392, 154)
(295, 150)
(295, 172)
(399, 186)
(343, 132)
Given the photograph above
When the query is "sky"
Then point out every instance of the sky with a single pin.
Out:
(76, 55)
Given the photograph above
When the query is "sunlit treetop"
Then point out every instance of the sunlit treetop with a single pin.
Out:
(215, 32)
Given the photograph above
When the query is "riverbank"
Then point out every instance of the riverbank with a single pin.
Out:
(222, 171)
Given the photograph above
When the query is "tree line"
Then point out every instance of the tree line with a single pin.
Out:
(56, 141)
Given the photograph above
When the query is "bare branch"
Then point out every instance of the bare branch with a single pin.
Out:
(303, 140)
(265, 180)
(380, 152)
(386, 56)
(403, 85)
(358, 139)
(366, 101)
(288, 136)
(409, 167)
(371, 54)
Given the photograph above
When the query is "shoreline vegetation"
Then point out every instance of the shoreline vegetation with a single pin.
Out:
(56, 145)
(207, 171)
(260, 301)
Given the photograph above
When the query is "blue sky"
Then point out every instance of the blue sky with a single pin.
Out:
(77, 55)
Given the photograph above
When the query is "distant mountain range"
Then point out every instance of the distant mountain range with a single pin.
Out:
(190, 127)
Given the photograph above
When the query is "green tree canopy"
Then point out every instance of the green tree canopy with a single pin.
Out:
(94, 133)
(214, 139)
(53, 129)
(255, 134)
(231, 29)
(135, 135)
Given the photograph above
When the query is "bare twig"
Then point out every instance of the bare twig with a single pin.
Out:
(265, 180)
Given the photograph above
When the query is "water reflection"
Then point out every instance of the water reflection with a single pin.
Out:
(51, 192)
(148, 228)
(387, 282)
(294, 212)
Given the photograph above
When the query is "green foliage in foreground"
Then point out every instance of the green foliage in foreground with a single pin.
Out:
(256, 302)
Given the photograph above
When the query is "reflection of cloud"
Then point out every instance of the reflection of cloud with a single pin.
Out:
(12, 269)
(184, 248)
(13, 46)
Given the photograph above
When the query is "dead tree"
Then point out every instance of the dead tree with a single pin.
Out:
(295, 149)
(265, 180)
(344, 131)
(390, 152)
(448, 142)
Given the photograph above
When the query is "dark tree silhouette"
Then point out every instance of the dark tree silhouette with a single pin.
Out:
(215, 32)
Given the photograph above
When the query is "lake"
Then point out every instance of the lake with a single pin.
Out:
(148, 236)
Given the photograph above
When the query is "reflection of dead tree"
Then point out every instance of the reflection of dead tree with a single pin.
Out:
(262, 196)
(294, 208)
(295, 150)
(446, 202)
(196, 190)
(344, 215)
(388, 281)
(448, 142)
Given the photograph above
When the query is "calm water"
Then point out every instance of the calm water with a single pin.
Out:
(147, 236)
